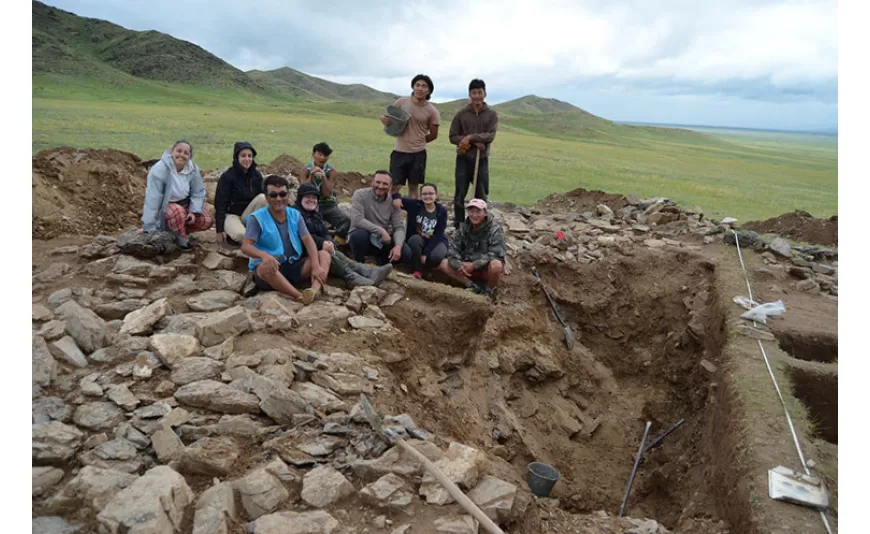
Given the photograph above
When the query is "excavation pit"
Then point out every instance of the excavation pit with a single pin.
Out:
(649, 334)
(811, 347)
(817, 390)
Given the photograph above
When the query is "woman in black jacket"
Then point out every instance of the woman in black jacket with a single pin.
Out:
(239, 193)
(353, 273)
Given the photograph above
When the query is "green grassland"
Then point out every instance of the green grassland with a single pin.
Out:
(96, 84)
(748, 177)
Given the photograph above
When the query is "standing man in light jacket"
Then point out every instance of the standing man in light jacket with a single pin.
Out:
(375, 223)
(408, 159)
(472, 130)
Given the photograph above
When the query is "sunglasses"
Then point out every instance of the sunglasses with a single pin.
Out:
(282, 194)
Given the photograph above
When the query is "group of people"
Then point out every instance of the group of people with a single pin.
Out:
(289, 247)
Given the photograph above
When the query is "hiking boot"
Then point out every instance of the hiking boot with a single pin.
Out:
(353, 280)
(184, 244)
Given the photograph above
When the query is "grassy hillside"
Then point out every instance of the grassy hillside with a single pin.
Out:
(71, 54)
(736, 178)
(91, 89)
(64, 43)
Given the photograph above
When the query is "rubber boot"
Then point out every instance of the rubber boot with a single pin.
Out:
(379, 274)
(376, 274)
(343, 267)
(353, 279)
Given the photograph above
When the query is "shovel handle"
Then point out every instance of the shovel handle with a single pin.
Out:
(451, 488)
(474, 181)
(549, 298)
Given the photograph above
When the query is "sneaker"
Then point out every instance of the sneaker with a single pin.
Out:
(417, 275)
(308, 296)
(479, 289)
(474, 288)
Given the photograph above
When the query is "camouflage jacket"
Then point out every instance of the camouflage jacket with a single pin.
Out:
(477, 246)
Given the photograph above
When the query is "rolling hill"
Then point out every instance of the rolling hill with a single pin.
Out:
(299, 84)
(78, 57)
(64, 43)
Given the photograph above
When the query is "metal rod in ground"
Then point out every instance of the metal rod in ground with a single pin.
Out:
(634, 469)
(656, 442)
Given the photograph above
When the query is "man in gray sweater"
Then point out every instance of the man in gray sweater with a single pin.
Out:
(376, 226)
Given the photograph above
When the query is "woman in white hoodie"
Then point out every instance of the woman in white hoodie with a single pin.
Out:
(175, 196)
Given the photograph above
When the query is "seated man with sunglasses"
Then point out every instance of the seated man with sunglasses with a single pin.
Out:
(283, 253)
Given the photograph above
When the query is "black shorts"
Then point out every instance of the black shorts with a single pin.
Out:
(408, 167)
(291, 271)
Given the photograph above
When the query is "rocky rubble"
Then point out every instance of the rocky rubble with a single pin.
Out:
(545, 236)
(154, 397)
(149, 404)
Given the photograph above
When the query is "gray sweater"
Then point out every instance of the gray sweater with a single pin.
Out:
(371, 214)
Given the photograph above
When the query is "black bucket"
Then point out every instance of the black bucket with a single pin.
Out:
(541, 478)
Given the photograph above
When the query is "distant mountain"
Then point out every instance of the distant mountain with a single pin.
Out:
(533, 104)
(299, 84)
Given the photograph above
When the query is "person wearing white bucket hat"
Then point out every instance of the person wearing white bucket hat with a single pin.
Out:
(408, 159)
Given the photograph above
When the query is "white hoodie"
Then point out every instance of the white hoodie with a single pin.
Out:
(179, 182)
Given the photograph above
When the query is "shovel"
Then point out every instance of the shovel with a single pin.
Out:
(442, 479)
(474, 180)
(569, 336)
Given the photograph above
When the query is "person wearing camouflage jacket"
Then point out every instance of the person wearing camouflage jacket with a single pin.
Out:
(475, 256)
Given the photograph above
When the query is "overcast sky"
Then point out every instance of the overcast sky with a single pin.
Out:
(744, 63)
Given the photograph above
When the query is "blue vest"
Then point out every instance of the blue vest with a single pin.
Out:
(270, 238)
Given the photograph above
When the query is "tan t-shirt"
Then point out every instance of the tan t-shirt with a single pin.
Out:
(423, 117)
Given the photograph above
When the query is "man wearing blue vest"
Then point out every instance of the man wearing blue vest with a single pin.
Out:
(282, 253)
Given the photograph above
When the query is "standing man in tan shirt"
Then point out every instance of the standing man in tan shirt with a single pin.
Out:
(408, 159)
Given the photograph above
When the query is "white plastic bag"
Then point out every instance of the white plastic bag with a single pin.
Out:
(745, 302)
(762, 312)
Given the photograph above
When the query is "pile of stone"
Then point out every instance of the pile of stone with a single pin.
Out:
(809, 268)
(140, 391)
(592, 236)
(547, 237)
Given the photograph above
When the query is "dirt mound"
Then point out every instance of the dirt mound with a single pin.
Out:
(581, 200)
(800, 226)
(86, 191)
(348, 182)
